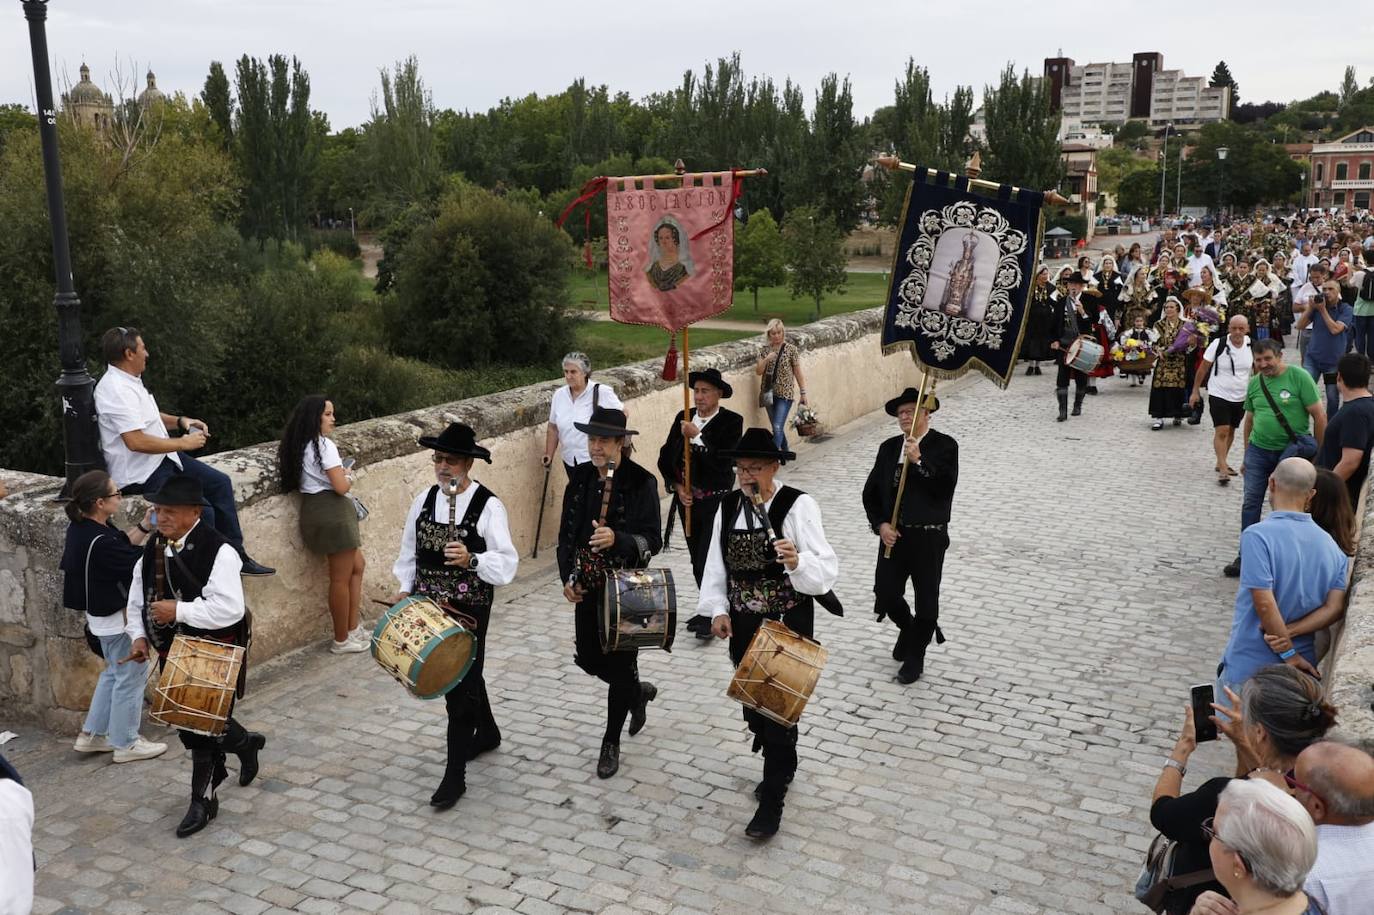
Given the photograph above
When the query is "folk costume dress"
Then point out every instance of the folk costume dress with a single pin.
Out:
(919, 553)
(201, 572)
(420, 568)
(1169, 385)
(1036, 345)
(744, 579)
(634, 516)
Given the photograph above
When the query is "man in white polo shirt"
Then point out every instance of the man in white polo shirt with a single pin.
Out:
(1225, 373)
(141, 456)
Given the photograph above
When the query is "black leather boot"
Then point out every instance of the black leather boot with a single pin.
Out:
(609, 763)
(639, 714)
(487, 736)
(453, 786)
(1062, 395)
(1078, 403)
(915, 662)
(248, 756)
(204, 805)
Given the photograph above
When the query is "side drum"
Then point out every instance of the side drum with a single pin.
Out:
(422, 647)
(638, 610)
(196, 689)
(1083, 354)
(778, 673)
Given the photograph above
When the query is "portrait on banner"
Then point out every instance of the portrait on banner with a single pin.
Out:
(960, 279)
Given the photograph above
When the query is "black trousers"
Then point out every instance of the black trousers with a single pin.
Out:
(777, 742)
(469, 709)
(918, 556)
(699, 543)
(619, 670)
(1061, 380)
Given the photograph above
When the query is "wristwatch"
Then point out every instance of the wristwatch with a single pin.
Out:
(472, 563)
(1172, 763)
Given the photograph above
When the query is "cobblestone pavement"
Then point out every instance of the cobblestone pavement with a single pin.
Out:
(1082, 597)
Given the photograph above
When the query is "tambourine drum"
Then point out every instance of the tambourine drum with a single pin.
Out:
(778, 673)
(422, 647)
(1083, 354)
(196, 689)
(638, 610)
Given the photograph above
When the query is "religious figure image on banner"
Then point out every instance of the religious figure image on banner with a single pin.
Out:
(961, 276)
(669, 263)
(961, 282)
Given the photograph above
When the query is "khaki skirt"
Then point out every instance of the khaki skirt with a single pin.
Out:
(329, 523)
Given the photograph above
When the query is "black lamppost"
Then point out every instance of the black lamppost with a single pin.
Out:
(1221, 193)
(76, 388)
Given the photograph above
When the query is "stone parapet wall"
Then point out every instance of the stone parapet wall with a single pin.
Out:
(1349, 669)
(46, 671)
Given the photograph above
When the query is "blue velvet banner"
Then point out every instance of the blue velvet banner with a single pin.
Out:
(962, 275)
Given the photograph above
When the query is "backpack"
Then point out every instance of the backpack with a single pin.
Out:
(1157, 880)
(1367, 285)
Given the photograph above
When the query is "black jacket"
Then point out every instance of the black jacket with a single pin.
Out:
(633, 515)
(929, 491)
(710, 471)
(113, 559)
(1083, 325)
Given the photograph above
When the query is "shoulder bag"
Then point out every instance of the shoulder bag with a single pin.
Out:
(1303, 446)
(766, 388)
(1156, 880)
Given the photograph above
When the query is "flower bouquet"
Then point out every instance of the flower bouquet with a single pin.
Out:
(1133, 356)
(806, 422)
(1197, 330)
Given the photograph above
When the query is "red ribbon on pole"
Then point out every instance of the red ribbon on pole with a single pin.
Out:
(736, 190)
(584, 199)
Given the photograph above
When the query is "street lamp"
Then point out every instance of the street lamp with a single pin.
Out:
(351, 228)
(1164, 168)
(1178, 182)
(1221, 193)
(76, 388)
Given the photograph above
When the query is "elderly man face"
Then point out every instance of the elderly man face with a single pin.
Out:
(1237, 328)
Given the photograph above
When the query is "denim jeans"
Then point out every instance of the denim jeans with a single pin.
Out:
(117, 703)
(1333, 396)
(1364, 334)
(1259, 465)
(777, 415)
(221, 513)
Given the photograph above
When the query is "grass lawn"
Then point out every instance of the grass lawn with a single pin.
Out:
(864, 290)
(609, 344)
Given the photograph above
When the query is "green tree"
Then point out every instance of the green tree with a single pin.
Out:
(1114, 164)
(1131, 135)
(1022, 146)
(220, 102)
(760, 258)
(277, 140)
(834, 156)
(1349, 86)
(400, 152)
(15, 117)
(1254, 172)
(1138, 192)
(485, 281)
(1221, 76)
(814, 248)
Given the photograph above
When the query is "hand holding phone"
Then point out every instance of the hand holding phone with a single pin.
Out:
(1203, 725)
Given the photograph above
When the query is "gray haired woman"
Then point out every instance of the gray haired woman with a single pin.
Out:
(573, 404)
(1263, 844)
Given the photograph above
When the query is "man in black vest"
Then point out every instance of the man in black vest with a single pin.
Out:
(1071, 320)
(197, 594)
(610, 521)
(459, 573)
(753, 574)
(711, 428)
(921, 536)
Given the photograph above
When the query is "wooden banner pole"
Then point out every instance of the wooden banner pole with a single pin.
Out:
(686, 442)
(927, 384)
(892, 163)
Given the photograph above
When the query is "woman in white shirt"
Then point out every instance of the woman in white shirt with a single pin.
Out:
(572, 404)
(309, 461)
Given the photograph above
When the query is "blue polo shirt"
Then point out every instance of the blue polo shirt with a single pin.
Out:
(1325, 349)
(1290, 555)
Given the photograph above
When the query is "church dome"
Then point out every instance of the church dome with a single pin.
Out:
(152, 95)
(86, 91)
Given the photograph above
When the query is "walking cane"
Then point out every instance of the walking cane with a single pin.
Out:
(539, 525)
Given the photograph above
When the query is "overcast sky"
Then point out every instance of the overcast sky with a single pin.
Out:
(472, 54)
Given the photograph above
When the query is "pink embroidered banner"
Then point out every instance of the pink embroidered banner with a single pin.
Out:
(671, 250)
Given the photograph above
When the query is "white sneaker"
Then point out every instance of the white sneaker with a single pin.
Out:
(142, 749)
(92, 743)
(348, 646)
(362, 634)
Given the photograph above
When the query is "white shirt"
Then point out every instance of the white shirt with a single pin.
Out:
(1301, 263)
(220, 604)
(817, 566)
(313, 476)
(16, 848)
(700, 422)
(125, 405)
(1195, 264)
(1221, 381)
(1342, 880)
(564, 411)
(497, 566)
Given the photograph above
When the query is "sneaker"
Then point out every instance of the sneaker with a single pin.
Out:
(142, 749)
(92, 743)
(348, 646)
(361, 634)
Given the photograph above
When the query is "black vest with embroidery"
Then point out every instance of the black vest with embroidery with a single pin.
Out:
(461, 589)
(185, 577)
(755, 581)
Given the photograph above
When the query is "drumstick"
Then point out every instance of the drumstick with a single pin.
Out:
(384, 603)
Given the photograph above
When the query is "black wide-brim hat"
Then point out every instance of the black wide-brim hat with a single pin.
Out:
(179, 489)
(1076, 277)
(458, 439)
(607, 422)
(911, 395)
(757, 443)
(712, 377)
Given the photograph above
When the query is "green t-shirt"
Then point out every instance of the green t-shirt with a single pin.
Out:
(1294, 391)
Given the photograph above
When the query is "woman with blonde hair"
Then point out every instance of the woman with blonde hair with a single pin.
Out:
(782, 381)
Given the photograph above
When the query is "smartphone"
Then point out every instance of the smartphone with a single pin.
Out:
(349, 463)
(1203, 712)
